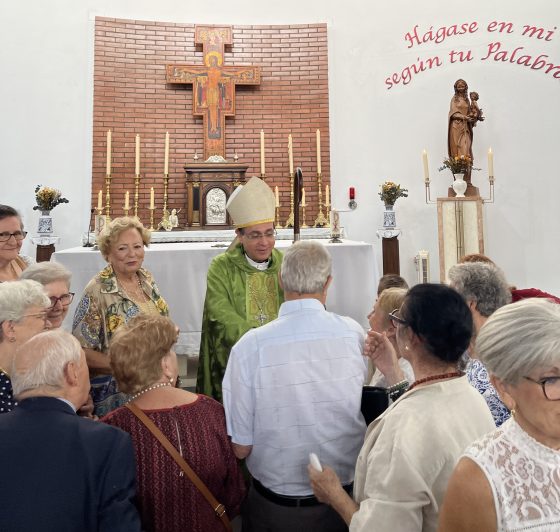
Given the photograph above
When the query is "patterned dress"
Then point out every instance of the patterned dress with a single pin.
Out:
(168, 501)
(7, 401)
(104, 307)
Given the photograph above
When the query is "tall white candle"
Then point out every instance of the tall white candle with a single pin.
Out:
(290, 154)
(126, 203)
(262, 153)
(152, 205)
(277, 196)
(426, 170)
(318, 151)
(166, 160)
(109, 152)
(490, 162)
(327, 197)
(100, 200)
(137, 167)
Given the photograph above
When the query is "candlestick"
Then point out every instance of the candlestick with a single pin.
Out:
(303, 224)
(165, 213)
(425, 162)
(152, 209)
(108, 166)
(490, 163)
(262, 153)
(318, 151)
(100, 201)
(327, 197)
(277, 224)
(290, 154)
(108, 198)
(290, 220)
(166, 159)
(136, 188)
(321, 220)
(137, 166)
(152, 205)
(126, 204)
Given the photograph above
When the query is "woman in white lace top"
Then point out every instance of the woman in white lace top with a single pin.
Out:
(510, 479)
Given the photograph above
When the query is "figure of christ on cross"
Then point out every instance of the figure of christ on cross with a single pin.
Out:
(213, 85)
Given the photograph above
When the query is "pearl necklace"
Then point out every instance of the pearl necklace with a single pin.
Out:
(145, 390)
(139, 294)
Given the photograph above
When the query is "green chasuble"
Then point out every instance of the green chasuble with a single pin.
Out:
(238, 298)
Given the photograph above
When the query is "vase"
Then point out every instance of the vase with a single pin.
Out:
(389, 220)
(459, 185)
(45, 226)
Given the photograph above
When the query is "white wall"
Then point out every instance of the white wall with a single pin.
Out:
(46, 61)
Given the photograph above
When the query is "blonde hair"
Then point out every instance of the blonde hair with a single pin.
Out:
(389, 300)
(137, 349)
(111, 232)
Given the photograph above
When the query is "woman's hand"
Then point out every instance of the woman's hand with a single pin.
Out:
(326, 484)
(381, 352)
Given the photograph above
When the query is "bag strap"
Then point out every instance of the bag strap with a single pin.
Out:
(219, 509)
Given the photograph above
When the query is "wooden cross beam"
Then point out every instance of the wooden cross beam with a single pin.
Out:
(213, 84)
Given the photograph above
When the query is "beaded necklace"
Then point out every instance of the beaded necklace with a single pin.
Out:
(152, 387)
(436, 378)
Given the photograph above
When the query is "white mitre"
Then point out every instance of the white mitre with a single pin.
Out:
(251, 204)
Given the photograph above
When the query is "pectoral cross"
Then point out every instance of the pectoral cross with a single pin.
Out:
(213, 84)
(261, 317)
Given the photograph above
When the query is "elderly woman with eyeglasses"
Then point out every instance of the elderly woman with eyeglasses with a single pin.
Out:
(510, 479)
(411, 449)
(23, 314)
(56, 280)
(11, 239)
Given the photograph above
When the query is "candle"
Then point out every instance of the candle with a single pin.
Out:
(290, 154)
(318, 151)
(262, 154)
(137, 170)
(352, 193)
(100, 200)
(425, 161)
(152, 198)
(126, 204)
(109, 152)
(490, 163)
(327, 197)
(277, 196)
(303, 198)
(166, 160)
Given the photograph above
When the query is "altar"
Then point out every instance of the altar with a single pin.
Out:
(180, 272)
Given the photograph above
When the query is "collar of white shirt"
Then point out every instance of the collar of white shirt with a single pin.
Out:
(296, 305)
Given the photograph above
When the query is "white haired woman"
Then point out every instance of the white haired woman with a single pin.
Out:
(23, 314)
(485, 290)
(56, 280)
(120, 291)
(509, 479)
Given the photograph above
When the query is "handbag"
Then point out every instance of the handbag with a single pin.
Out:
(218, 508)
(375, 401)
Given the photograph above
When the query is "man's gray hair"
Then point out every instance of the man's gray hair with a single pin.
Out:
(41, 361)
(17, 296)
(482, 283)
(520, 338)
(306, 266)
(47, 272)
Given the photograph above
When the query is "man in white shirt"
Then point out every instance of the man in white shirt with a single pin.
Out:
(292, 387)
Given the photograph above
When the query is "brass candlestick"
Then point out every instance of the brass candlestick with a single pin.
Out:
(290, 220)
(277, 224)
(165, 214)
(152, 209)
(108, 197)
(126, 212)
(321, 220)
(303, 224)
(136, 187)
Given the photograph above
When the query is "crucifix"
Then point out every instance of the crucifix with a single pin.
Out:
(213, 84)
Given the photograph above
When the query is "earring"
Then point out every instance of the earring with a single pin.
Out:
(406, 347)
(512, 412)
(171, 379)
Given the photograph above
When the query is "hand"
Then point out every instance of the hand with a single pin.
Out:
(381, 352)
(326, 484)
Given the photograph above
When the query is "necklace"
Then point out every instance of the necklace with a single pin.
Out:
(152, 387)
(138, 293)
(436, 378)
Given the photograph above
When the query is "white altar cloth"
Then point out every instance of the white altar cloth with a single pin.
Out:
(180, 272)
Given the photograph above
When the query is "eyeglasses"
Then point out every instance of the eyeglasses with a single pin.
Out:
(396, 319)
(18, 235)
(269, 235)
(65, 299)
(42, 315)
(550, 387)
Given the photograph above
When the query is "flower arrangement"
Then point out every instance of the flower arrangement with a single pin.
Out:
(391, 192)
(459, 164)
(47, 198)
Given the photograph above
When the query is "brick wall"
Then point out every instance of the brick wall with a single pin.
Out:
(131, 97)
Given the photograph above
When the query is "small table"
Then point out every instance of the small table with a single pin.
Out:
(45, 247)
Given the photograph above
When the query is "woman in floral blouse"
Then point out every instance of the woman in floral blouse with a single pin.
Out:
(120, 291)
